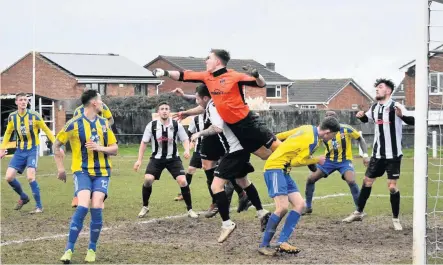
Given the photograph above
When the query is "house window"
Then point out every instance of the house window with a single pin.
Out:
(308, 106)
(100, 88)
(355, 106)
(402, 87)
(435, 83)
(273, 91)
(140, 90)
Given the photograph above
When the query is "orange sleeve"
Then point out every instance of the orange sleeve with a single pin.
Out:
(247, 80)
(191, 76)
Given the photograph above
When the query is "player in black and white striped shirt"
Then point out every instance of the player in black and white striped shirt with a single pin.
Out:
(164, 134)
(234, 165)
(388, 117)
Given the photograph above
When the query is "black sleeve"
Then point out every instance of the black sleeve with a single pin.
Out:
(364, 119)
(409, 120)
(249, 83)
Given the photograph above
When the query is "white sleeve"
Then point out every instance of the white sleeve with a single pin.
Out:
(369, 114)
(182, 135)
(147, 135)
(216, 119)
(192, 128)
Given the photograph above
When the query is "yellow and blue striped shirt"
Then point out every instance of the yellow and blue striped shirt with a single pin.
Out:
(78, 131)
(27, 127)
(339, 149)
(296, 149)
(105, 113)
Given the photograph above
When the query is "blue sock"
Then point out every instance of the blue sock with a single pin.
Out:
(76, 226)
(95, 227)
(309, 193)
(273, 222)
(355, 191)
(288, 228)
(18, 188)
(36, 193)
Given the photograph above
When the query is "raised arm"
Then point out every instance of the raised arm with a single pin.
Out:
(400, 110)
(185, 76)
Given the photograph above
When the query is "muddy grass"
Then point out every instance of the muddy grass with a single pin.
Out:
(184, 240)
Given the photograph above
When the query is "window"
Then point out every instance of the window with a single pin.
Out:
(100, 88)
(273, 91)
(355, 106)
(308, 106)
(140, 90)
(402, 87)
(435, 83)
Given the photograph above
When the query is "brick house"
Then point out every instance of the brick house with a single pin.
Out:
(435, 81)
(277, 85)
(335, 94)
(60, 79)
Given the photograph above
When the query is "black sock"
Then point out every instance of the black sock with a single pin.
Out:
(395, 204)
(146, 194)
(252, 193)
(237, 188)
(188, 178)
(229, 189)
(223, 205)
(363, 197)
(209, 178)
(186, 193)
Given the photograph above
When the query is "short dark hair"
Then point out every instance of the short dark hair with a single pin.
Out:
(388, 82)
(331, 124)
(331, 113)
(161, 103)
(87, 96)
(223, 55)
(202, 91)
(20, 94)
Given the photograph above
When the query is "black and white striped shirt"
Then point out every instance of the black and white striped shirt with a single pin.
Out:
(228, 139)
(164, 138)
(387, 130)
(196, 125)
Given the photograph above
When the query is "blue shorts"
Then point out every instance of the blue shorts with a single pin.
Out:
(83, 181)
(279, 183)
(23, 159)
(330, 167)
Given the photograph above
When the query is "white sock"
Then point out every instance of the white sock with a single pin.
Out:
(227, 223)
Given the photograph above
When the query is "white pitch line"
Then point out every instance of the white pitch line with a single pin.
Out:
(57, 236)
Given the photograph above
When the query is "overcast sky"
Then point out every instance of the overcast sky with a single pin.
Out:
(305, 39)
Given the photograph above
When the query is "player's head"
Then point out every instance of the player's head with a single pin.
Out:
(21, 100)
(163, 110)
(93, 100)
(383, 88)
(328, 128)
(331, 113)
(217, 59)
(202, 95)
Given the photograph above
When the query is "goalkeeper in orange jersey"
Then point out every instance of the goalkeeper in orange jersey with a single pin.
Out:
(296, 150)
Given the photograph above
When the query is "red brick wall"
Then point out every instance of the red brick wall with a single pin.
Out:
(254, 92)
(348, 96)
(435, 64)
(169, 84)
(50, 81)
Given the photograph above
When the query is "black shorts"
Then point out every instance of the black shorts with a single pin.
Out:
(234, 165)
(173, 165)
(196, 160)
(211, 148)
(378, 167)
(252, 133)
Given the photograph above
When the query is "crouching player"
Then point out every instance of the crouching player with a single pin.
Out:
(296, 150)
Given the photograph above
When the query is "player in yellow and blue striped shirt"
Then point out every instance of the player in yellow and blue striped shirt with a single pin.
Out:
(26, 124)
(105, 113)
(296, 150)
(338, 158)
(92, 142)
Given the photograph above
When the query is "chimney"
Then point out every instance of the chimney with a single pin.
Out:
(270, 66)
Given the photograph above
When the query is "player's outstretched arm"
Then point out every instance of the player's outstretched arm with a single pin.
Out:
(190, 112)
(6, 137)
(179, 92)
